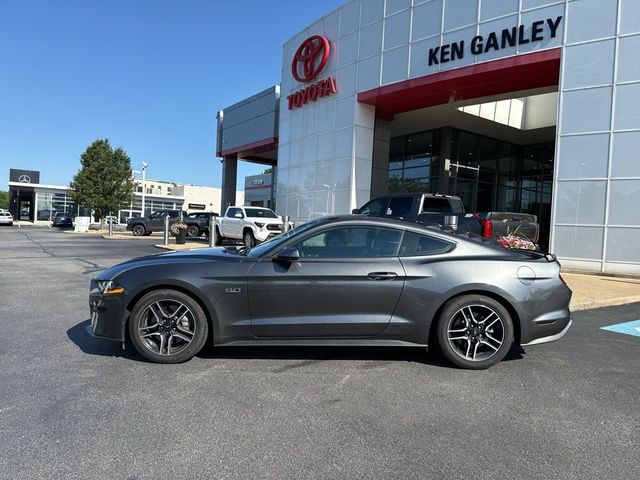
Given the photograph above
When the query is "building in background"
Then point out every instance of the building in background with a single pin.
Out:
(32, 201)
(526, 106)
(258, 190)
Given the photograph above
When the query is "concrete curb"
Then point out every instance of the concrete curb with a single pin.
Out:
(605, 302)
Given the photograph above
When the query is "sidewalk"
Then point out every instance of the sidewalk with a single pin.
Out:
(593, 291)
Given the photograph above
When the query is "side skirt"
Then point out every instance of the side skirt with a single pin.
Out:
(299, 342)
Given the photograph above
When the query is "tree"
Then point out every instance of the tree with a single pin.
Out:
(4, 199)
(267, 170)
(103, 183)
(406, 185)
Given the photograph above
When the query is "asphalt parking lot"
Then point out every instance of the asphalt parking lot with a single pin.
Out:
(73, 407)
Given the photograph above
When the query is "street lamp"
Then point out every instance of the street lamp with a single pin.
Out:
(144, 191)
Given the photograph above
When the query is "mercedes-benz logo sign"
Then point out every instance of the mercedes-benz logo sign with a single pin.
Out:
(24, 179)
(312, 55)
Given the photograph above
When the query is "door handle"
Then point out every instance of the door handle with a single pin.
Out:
(382, 275)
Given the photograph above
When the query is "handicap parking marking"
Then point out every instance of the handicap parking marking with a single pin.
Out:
(628, 328)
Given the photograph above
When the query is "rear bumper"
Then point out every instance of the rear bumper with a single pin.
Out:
(550, 338)
(548, 327)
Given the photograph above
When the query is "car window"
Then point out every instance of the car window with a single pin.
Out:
(414, 244)
(350, 242)
(232, 211)
(260, 213)
(436, 205)
(377, 206)
(399, 206)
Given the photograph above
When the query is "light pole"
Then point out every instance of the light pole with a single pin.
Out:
(144, 171)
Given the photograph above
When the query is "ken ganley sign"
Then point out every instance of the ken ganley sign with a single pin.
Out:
(508, 37)
(308, 62)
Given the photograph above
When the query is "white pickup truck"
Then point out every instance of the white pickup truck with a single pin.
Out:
(251, 225)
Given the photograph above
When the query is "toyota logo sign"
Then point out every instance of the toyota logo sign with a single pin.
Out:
(24, 179)
(310, 58)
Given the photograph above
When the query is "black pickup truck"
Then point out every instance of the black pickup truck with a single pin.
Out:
(431, 209)
(153, 223)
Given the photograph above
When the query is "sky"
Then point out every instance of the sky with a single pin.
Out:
(149, 75)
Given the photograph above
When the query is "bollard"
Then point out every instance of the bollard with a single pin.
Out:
(166, 230)
(212, 231)
(111, 227)
(285, 224)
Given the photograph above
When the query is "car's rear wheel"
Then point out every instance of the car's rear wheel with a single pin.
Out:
(167, 326)
(139, 230)
(249, 239)
(193, 231)
(474, 331)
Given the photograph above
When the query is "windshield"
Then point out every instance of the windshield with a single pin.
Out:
(260, 213)
(258, 250)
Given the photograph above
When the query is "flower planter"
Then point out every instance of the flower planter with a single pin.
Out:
(181, 237)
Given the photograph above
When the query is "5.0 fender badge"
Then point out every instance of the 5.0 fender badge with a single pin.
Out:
(233, 290)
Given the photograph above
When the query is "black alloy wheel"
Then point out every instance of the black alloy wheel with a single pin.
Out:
(167, 326)
(474, 331)
(139, 230)
(193, 231)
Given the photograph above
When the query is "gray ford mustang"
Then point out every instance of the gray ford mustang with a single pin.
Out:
(349, 280)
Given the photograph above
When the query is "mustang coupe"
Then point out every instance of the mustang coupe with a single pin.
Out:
(348, 280)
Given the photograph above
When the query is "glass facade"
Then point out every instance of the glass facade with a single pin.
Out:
(414, 162)
(487, 174)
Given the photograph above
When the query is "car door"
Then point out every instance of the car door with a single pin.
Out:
(346, 283)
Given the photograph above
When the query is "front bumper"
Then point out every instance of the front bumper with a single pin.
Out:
(108, 317)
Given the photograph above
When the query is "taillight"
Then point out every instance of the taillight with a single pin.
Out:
(486, 228)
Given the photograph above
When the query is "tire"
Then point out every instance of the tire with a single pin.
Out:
(474, 332)
(219, 238)
(177, 339)
(193, 231)
(139, 230)
(248, 239)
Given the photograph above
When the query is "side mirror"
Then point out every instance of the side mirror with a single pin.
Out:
(289, 254)
(355, 211)
(238, 215)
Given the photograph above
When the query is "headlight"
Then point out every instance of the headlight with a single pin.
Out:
(259, 225)
(109, 287)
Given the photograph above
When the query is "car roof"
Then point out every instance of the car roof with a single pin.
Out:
(445, 233)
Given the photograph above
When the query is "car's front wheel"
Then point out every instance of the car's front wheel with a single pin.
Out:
(474, 331)
(139, 230)
(168, 326)
(249, 239)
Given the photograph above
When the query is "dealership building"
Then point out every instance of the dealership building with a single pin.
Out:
(514, 105)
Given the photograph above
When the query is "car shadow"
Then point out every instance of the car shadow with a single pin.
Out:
(322, 353)
(96, 346)
(106, 348)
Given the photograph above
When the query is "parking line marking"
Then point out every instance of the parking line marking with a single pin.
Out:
(628, 328)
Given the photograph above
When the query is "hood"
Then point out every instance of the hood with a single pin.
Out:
(199, 255)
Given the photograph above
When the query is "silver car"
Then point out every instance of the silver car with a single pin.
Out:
(349, 280)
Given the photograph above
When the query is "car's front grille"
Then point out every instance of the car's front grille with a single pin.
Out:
(274, 227)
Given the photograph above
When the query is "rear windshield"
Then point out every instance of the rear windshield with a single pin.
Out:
(436, 205)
